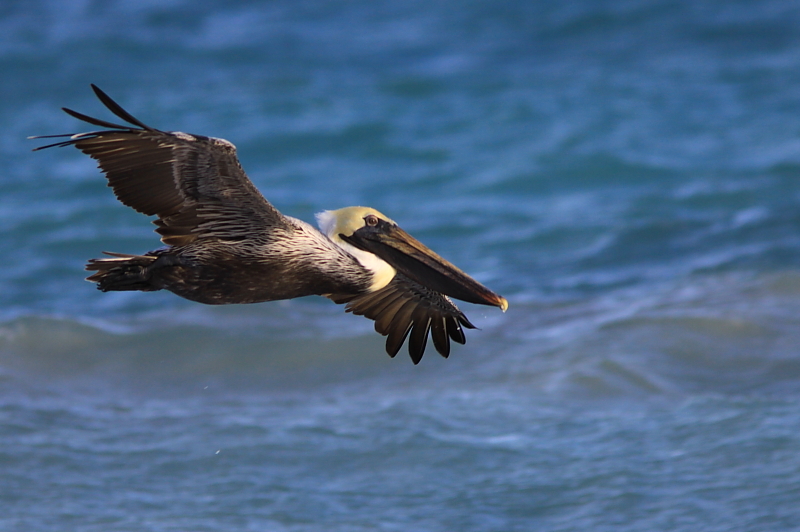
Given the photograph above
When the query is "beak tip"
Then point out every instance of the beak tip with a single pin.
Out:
(502, 303)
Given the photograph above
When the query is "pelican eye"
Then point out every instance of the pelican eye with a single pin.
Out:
(371, 220)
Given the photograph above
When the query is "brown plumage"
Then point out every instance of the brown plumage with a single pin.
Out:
(225, 243)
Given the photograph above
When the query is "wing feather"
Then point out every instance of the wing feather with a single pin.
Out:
(421, 320)
(439, 335)
(399, 327)
(455, 331)
(403, 308)
(195, 185)
(385, 322)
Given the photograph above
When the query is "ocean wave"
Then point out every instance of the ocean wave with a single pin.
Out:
(180, 357)
(728, 334)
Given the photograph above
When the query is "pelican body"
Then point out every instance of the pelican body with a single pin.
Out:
(225, 243)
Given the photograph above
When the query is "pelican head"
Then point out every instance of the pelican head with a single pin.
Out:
(381, 246)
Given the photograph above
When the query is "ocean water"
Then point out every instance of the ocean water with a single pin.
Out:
(626, 173)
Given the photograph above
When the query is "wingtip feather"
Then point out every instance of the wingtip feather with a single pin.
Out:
(117, 109)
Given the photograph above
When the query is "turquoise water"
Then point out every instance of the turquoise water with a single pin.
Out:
(625, 173)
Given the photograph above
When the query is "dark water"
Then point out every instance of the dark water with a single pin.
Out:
(625, 173)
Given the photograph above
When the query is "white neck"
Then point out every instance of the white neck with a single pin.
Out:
(382, 271)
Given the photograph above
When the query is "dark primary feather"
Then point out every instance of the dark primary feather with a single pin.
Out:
(406, 307)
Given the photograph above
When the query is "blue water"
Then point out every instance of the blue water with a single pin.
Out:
(625, 173)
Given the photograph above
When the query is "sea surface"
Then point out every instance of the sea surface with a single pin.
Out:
(626, 173)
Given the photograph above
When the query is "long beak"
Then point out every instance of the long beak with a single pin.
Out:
(419, 263)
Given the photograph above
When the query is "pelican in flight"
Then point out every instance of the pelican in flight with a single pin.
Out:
(225, 243)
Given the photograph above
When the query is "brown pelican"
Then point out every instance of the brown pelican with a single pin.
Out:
(225, 243)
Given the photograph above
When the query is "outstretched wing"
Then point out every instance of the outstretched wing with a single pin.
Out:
(193, 184)
(405, 308)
